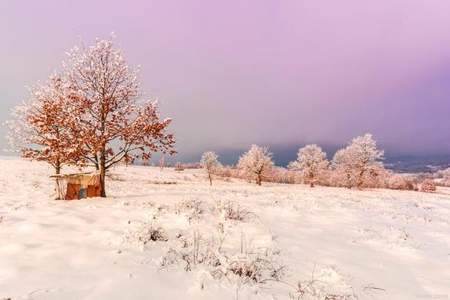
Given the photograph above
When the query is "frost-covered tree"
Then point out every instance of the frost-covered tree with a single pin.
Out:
(445, 174)
(43, 128)
(209, 162)
(343, 167)
(358, 160)
(114, 123)
(256, 163)
(311, 160)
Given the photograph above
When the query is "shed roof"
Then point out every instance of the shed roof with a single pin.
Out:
(91, 178)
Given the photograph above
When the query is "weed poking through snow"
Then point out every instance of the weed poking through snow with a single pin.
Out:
(254, 266)
(231, 210)
(146, 233)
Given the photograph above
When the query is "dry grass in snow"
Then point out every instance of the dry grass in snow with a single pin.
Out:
(170, 235)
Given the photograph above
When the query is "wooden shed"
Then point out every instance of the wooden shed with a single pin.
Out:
(78, 186)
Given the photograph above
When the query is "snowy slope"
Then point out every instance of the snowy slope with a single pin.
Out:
(322, 243)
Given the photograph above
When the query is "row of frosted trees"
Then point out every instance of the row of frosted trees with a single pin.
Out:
(90, 113)
(357, 165)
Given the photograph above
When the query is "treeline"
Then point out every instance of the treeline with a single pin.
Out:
(358, 165)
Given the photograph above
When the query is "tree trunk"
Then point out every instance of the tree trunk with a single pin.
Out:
(360, 179)
(57, 182)
(103, 174)
(258, 179)
(210, 178)
(349, 181)
(311, 180)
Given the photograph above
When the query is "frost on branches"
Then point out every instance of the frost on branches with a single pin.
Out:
(311, 161)
(359, 162)
(91, 114)
(115, 125)
(256, 163)
(43, 128)
(209, 162)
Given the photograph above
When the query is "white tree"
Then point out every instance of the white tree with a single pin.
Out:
(343, 167)
(358, 160)
(209, 162)
(445, 176)
(311, 160)
(256, 163)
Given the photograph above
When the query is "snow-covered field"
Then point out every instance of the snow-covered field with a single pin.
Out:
(292, 242)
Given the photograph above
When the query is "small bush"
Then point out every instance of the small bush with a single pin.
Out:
(282, 175)
(146, 233)
(231, 210)
(428, 186)
(400, 182)
(228, 172)
(193, 251)
(193, 208)
(255, 268)
(248, 267)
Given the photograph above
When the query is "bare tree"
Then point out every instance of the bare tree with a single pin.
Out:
(256, 163)
(209, 162)
(114, 123)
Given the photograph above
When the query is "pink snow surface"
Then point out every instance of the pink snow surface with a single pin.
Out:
(372, 244)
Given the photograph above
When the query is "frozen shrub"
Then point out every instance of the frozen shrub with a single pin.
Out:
(193, 252)
(245, 268)
(193, 208)
(225, 171)
(231, 210)
(428, 186)
(400, 182)
(251, 267)
(322, 286)
(327, 177)
(256, 266)
(146, 233)
(376, 176)
(282, 175)
(444, 175)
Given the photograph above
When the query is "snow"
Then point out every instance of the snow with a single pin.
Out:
(371, 244)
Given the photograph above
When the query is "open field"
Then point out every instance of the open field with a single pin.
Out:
(298, 242)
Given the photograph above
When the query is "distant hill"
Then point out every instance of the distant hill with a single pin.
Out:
(284, 154)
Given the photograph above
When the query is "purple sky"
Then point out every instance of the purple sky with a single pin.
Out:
(232, 73)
